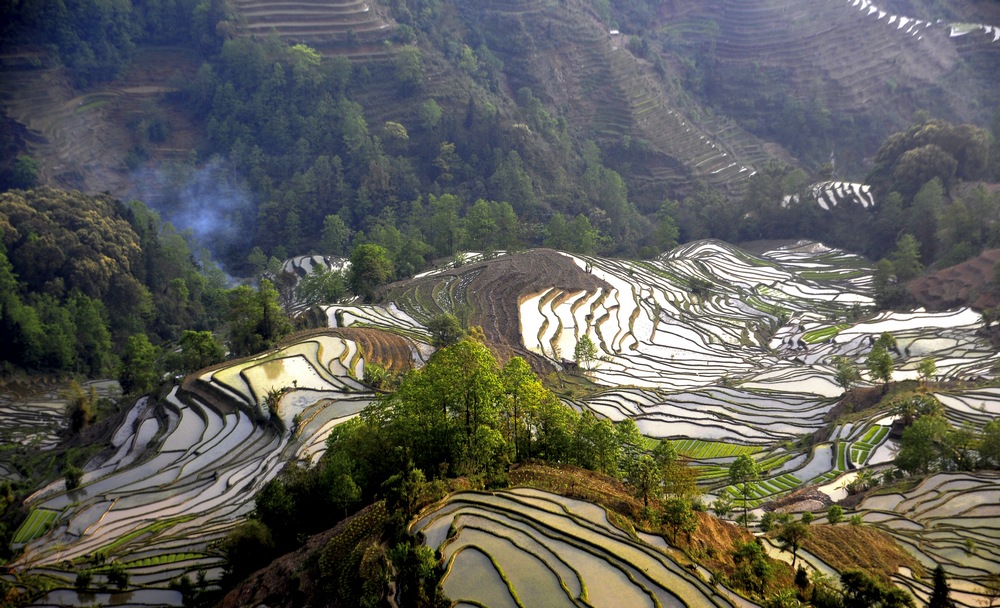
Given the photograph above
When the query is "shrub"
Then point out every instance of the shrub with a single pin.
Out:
(73, 477)
(83, 579)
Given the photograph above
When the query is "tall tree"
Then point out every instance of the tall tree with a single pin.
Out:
(846, 374)
(791, 537)
(371, 267)
(445, 330)
(743, 474)
(585, 352)
(920, 446)
(879, 363)
(906, 258)
(679, 517)
(138, 373)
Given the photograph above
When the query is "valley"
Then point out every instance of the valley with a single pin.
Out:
(746, 368)
(500, 303)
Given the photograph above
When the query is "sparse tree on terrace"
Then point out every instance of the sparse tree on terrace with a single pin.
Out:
(743, 474)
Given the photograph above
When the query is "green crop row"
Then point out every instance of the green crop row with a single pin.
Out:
(37, 523)
(159, 560)
(823, 334)
(698, 449)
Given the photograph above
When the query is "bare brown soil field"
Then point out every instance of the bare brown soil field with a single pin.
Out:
(497, 288)
(967, 284)
(870, 549)
(384, 348)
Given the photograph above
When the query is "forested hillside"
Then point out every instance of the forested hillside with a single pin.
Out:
(312, 132)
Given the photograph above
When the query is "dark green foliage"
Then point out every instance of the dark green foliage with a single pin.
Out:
(801, 578)
(73, 477)
(371, 268)
(321, 286)
(753, 570)
(85, 273)
(577, 236)
(700, 287)
(930, 443)
(743, 474)
(82, 407)
(256, 320)
(198, 349)
(862, 590)
(59, 242)
(139, 371)
(678, 516)
(939, 595)
(791, 535)
(445, 330)
(353, 565)
(417, 573)
(335, 236)
(118, 575)
(847, 374)
(906, 258)
(921, 446)
(585, 352)
(83, 579)
(989, 448)
(835, 514)
(934, 148)
(248, 547)
(25, 173)
(879, 361)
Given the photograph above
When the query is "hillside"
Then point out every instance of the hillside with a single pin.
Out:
(743, 367)
(682, 96)
(971, 283)
(466, 270)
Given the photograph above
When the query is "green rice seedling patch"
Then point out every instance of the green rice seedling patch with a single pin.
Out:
(841, 456)
(37, 524)
(764, 306)
(698, 449)
(773, 461)
(151, 529)
(824, 333)
(862, 449)
(163, 560)
(792, 479)
(708, 473)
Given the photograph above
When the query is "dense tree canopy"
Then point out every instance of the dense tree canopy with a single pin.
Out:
(81, 274)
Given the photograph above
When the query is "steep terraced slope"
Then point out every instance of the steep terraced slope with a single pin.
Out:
(855, 57)
(970, 283)
(83, 138)
(181, 474)
(314, 21)
(569, 59)
(711, 342)
(544, 549)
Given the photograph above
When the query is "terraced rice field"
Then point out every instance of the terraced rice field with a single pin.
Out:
(741, 367)
(314, 22)
(749, 362)
(33, 412)
(531, 548)
(181, 474)
(952, 519)
(831, 194)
